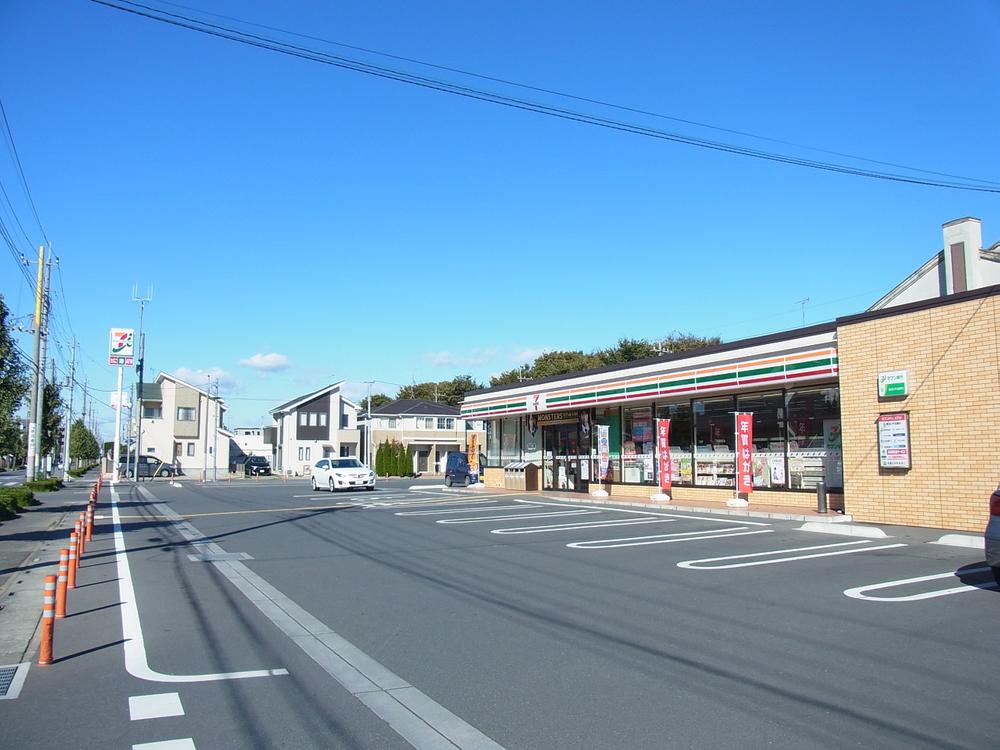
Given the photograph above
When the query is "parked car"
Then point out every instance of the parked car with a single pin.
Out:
(458, 471)
(342, 474)
(992, 535)
(256, 466)
(148, 466)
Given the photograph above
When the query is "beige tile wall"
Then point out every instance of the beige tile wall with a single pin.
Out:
(952, 353)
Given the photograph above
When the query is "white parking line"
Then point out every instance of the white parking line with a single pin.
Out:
(521, 517)
(859, 591)
(445, 511)
(581, 525)
(156, 706)
(185, 744)
(612, 509)
(683, 536)
(698, 564)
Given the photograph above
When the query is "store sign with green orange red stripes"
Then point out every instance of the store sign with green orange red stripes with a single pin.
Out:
(772, 370)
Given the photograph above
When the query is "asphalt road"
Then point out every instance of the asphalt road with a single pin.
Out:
(453, 618)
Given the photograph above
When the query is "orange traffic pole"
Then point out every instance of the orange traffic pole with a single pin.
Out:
(61, 584)
(73, 563)
(80, 546)
(90, 523)
(48, 620)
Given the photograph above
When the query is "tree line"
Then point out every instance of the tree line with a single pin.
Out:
(550, 364)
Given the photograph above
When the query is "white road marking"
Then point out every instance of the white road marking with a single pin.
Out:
(843, 529)
(446, 511)
(185, 744)
(697, 564)
(581, 525)
(612, 509)
(422, 722)
(859, 591)
(521, 517)
(155, 706)
(683, 536)
(136, 662)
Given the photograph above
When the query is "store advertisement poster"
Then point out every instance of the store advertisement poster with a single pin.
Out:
(663, 466)
(894, 441)
(603, 449)
(744, 452)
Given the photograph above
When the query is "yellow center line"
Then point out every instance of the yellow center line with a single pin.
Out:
(243, 512)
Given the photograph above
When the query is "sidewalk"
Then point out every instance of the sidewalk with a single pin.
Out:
(29, 550)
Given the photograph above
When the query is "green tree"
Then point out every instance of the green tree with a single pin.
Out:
(378, 399)
(52, 408)
(14, 384)
(82, 443)
(450, 392)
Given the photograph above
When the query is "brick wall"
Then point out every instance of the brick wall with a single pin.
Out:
(952, 352)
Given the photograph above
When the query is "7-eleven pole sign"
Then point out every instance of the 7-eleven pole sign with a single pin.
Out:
(744, 452)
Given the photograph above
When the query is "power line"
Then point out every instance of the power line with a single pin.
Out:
(305, 53)
(575, 97)
(20, 170)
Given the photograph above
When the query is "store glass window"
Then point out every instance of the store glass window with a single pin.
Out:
(531, 437)
(814, 444)
(638, 445)
(714, 437)
(493, 442)
(611, 417)
(510, 440)
(768, 411)
(681, 438)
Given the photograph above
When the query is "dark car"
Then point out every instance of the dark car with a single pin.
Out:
(256, 466)
(992, 535)
(148, 466)
(458, 471)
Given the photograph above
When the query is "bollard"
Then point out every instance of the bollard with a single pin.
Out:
(73, 563)
(821, 496)
(80, 545)
(90, 523)
(61, 584)
(48, 619)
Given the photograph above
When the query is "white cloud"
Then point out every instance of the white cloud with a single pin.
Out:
(452, 359)
(528, 354)
(267, 362)
(202, 378)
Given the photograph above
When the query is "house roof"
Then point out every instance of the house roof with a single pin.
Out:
(174, 379)
(406, 406)
(289, 405)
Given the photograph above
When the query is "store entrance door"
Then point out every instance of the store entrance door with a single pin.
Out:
(561, 465)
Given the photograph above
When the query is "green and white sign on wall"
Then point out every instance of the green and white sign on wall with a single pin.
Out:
(892, 384)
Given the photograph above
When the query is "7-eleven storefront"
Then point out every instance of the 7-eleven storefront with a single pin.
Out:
(921, 451)
(788, 382)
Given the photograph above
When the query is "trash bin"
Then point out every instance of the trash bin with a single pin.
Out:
(529, 477)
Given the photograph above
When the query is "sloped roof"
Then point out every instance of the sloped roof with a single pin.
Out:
(289, 405)
(416, 406)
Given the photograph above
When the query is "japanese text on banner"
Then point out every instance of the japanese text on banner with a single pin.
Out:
(663, 453)
(744, 452)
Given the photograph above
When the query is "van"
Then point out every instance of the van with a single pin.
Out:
(458, 471)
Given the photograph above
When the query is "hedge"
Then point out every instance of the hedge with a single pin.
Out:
(13, 499)
(45, 485)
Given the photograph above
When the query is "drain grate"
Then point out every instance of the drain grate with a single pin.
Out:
(10, 682)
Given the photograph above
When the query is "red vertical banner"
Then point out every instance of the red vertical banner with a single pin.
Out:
(663, 453)
(744, 452)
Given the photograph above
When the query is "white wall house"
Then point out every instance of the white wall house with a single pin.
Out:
(314, 426)
(183, 424)
(429, 430)
(961, 265)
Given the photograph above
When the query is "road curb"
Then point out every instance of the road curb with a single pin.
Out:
(962, 540)
(844, 529)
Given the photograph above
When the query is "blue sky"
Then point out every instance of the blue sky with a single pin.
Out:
(364, 229)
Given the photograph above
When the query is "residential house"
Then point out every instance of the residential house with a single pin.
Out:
(183, 424)
(253, 441)
(314, 426)
(429, 430)
(962, 265)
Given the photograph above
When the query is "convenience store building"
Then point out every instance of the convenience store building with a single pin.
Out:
(921, 377)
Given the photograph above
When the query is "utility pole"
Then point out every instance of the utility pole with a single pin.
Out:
(368, 429)
(139, 369)
(69, 413)
(204, 472)
(38, 370)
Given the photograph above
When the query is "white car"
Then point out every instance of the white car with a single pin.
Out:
(342, 474)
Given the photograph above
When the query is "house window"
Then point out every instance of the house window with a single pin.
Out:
(392, 423)
(190, 451)
(313, 419)
(186, 414)
(152, 412)
(344, 422)
(322, 419)
(301, 453)
(308, 451)
(303, 419)
(151, 450)
(178, 450)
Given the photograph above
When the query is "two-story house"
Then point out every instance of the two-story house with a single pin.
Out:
(429, 430)
(183, 424)
(317, 425)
